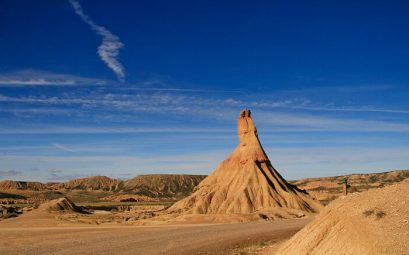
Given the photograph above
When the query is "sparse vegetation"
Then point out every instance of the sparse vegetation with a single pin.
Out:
(256, 247)
(109, 206)
(374, 212)
(380, 214)
(373, 179)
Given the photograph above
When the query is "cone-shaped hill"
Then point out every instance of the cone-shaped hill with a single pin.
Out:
(245, 182)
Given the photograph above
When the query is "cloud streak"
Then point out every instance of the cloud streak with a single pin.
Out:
(35, 82)
(31, 77)
(116, 108)
(109, 49)
(62, 147)
(104, 130)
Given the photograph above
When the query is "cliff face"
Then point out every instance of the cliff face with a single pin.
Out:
(245, 182)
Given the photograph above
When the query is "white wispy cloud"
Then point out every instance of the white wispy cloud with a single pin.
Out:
(103, 130)
(62, 147)
(33, 112)
(269, 122)
(109, 49)
(31, 77)
(37, 82)
(177, 103)
(350, 109)
(313, 123)
(269, 114)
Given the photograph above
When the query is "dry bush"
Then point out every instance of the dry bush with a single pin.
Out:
(377, 213)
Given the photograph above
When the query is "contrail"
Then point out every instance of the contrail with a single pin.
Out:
(109, 49)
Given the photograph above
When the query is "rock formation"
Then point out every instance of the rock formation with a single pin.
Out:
(245, 182)
(60, 205)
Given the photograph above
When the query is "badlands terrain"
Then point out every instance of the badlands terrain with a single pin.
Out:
(243, 207)
(171, 188)
(371, 222)
(102, 188)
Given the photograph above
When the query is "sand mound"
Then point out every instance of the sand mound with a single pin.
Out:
(60, 212)
(371, 222)
(60, 205)
(245, 182)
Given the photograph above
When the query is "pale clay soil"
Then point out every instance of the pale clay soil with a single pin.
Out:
(164, 239)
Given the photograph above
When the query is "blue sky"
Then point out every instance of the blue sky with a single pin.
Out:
(138, 87)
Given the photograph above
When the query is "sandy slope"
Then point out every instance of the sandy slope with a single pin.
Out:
(176, 239)
(371, 222)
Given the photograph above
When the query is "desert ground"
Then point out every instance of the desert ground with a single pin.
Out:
(170, 239)
(369, 222)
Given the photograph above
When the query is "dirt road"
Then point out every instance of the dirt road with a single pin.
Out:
(180, 239)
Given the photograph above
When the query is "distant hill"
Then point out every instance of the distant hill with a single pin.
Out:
(21, 185)
(93, 183)
(168, 186)
(327, 189)
(174, 186)
(163, 185)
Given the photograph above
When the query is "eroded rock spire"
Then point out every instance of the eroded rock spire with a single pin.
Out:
(245, 182)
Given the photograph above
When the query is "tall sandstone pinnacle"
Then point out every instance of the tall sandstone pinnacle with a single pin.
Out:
(245, 182)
